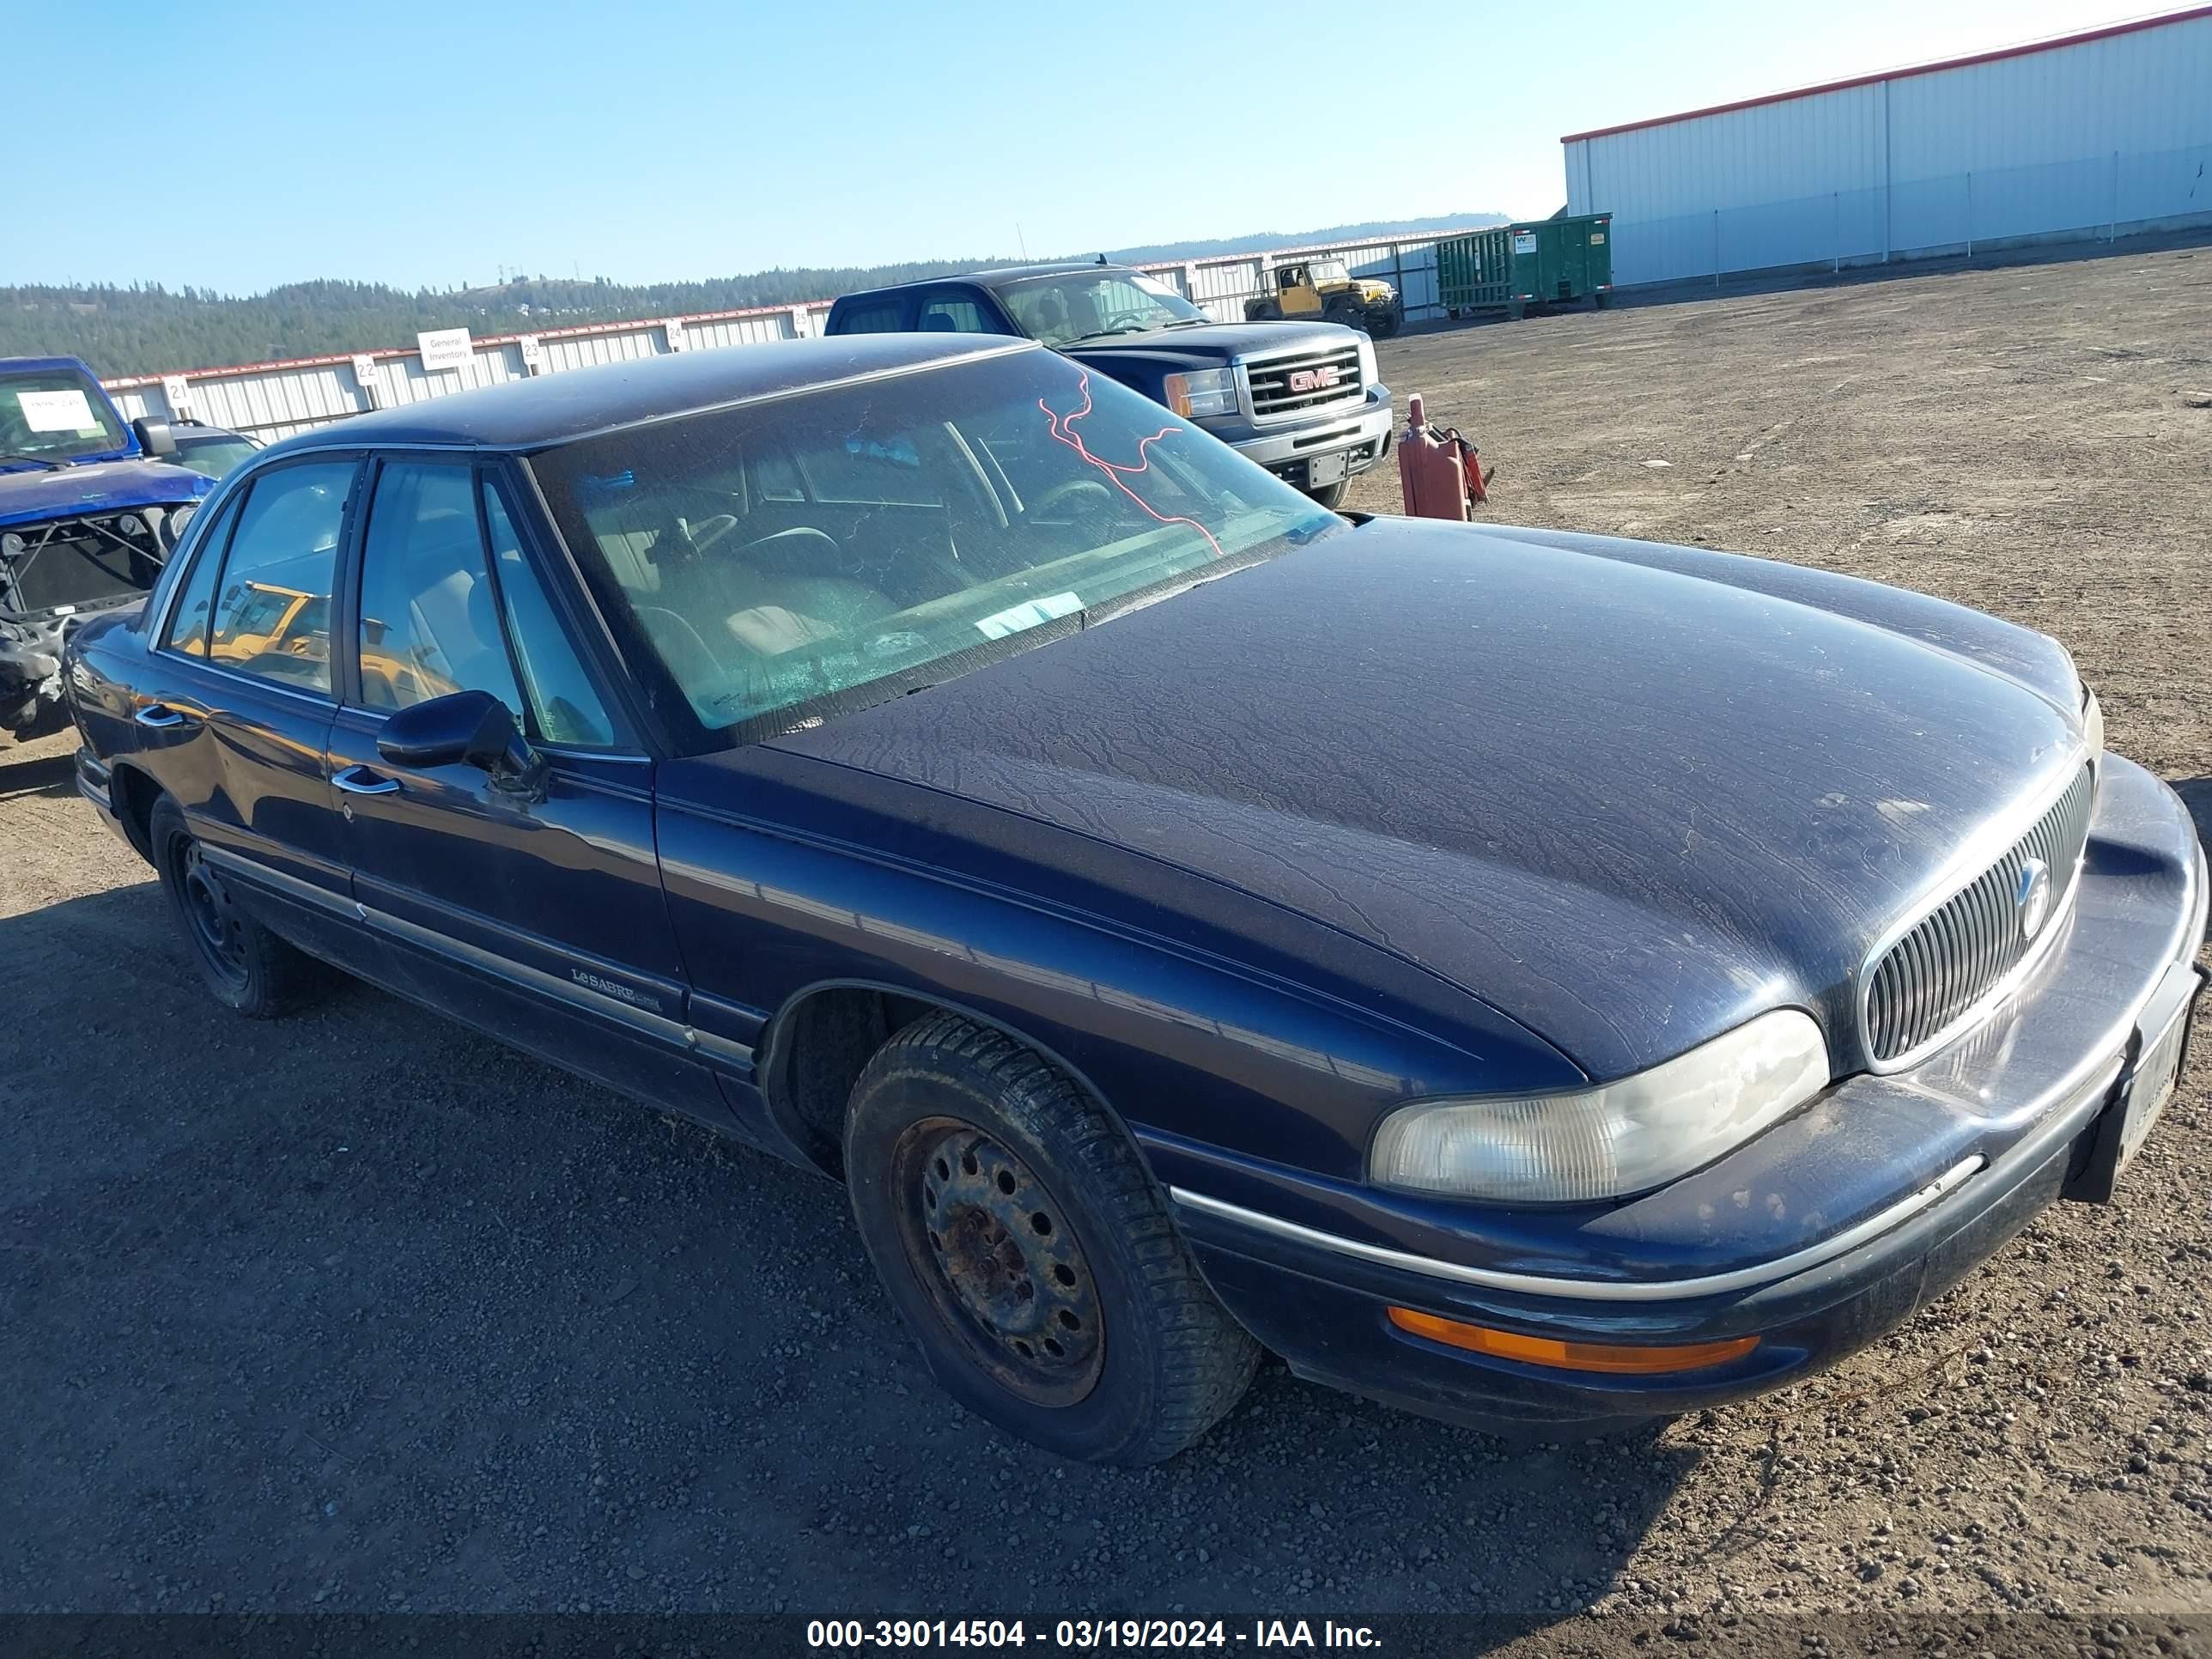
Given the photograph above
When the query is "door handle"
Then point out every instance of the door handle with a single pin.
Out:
(160, 716)
(360, 780)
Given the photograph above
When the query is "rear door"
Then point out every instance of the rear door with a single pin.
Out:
(538, 916)
(241, 697)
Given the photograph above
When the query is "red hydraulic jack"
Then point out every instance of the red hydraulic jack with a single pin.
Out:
(1441, 473)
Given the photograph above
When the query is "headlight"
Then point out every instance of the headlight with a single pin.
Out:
(2093, 722)
(1614, 1139)
(1203, 392)
(1368, 375)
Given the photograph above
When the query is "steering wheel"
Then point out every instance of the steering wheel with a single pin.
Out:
(1066, 490)
(708, 531)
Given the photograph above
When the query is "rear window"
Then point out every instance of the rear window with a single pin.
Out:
(880, 317)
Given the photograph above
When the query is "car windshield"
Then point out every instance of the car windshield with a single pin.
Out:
(1329, 270)
(1081, 305)
(213, 456)
(789, 559)
(55, 414)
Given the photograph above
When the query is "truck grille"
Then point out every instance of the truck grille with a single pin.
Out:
(1930, 979)
(1284, 386)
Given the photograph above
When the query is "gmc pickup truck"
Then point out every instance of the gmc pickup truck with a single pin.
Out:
(1302, 400)
(89, 512)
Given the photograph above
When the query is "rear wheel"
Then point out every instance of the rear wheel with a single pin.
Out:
(247, 967)
(1030, 1252)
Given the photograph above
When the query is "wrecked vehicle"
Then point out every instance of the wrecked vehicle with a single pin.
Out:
(1538, 979)
(88, 511)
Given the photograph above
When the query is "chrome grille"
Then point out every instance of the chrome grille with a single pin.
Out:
(1962, 950)
(1281, 386)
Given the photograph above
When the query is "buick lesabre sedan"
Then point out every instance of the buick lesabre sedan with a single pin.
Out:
(1532, 978)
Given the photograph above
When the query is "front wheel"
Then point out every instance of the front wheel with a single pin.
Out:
(1030, 1252)
(1330, 496)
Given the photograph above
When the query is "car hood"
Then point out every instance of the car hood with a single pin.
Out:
(1224, 342)
(1621, 793)
(29, 496)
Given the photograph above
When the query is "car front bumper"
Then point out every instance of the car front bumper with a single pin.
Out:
(1976, 1140)
(1363, 437)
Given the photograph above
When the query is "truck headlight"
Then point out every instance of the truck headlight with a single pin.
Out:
(2093, 722)
(1202, 392)
(1614, 1139)
(1368, 374)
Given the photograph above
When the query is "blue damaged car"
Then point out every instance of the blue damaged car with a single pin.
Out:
(88, 510)
(1538, 979)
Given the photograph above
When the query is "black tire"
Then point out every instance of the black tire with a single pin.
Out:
(248, 968)
(1383, 322)
(1030, 1252)
(1330, 496)
(1347, 316)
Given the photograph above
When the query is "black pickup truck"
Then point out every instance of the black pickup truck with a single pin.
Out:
(1300, 398)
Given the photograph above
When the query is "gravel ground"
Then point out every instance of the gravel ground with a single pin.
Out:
(358, 1312)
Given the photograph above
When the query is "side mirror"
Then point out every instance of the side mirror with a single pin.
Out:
(154, 438)
(464, 728)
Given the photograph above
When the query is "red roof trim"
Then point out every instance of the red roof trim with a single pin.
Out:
(2022, 51)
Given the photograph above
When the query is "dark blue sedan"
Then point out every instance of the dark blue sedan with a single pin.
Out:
(1536, 979)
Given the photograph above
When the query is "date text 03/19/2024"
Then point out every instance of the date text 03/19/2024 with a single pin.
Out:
(1081, 1635)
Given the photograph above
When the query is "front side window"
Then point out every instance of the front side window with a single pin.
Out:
(563, 701)
(54, 415)
(271, 615)
(1087, 305)
(429, 617)
(945, 518)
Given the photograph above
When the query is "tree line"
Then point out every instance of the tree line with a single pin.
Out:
(147, 328)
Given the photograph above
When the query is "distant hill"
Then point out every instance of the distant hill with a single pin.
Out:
(146, 328)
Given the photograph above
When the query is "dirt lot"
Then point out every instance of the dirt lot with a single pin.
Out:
(357, 1311)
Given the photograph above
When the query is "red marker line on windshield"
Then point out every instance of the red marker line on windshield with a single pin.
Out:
(1063, 431)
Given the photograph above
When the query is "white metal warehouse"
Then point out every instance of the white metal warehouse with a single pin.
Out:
(2093, 134)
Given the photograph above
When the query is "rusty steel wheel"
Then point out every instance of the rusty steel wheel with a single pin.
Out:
(1006, 1273)
(1028, 1249)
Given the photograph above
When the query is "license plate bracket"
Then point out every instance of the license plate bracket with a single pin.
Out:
(2144, 1090)
(1327, 469)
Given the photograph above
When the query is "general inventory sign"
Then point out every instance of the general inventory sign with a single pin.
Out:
(445, 347)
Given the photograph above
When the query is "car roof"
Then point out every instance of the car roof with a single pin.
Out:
(990, 278)
(529, 414)
(11, 365)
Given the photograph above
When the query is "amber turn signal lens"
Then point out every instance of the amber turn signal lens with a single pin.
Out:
(1612, 1358)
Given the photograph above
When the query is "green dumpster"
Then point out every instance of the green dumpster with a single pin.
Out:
(1512, 267)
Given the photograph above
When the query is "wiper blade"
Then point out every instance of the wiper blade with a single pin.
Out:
(36, 460)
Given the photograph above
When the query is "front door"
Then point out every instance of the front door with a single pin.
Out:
(537, 915)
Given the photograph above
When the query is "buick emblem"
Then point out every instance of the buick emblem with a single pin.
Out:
(2032, 898)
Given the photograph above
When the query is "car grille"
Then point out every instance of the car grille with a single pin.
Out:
(1931, 979)
(1283, 386)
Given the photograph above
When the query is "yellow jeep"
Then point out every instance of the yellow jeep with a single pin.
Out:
(1324, 290)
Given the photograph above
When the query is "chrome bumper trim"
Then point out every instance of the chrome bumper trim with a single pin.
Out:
(1653, 1290)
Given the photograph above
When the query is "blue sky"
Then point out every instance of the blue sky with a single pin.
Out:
(431, 144)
